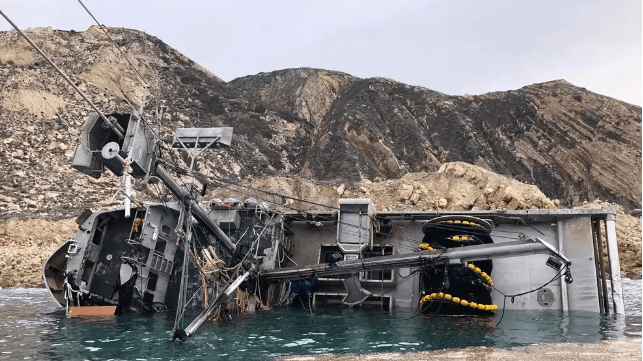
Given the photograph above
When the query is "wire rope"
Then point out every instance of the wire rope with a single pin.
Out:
(114, 43)
(323, 218)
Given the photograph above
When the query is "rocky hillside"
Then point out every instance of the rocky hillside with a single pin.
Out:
(41, 115)
(311, 124)
(574, 144)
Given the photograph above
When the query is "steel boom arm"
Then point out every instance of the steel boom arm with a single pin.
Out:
(450, 255)
(183, 195)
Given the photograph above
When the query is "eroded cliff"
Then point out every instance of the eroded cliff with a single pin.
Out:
(321, 125)
(307, 133)
(574, 144)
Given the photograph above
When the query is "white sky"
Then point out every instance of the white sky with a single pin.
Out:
(454, 47)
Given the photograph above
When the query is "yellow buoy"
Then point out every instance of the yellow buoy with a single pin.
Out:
(447, 297)
(440, 295)
(473, 305)
(426, 246)
(478, 270)
(464, 303)
(482, 307)
(456, 299)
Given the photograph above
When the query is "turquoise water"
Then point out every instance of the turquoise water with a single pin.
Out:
(31, 328)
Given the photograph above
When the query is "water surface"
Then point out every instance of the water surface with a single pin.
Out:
(31, 328)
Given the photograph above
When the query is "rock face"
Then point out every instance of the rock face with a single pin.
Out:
(316, 124)
(25, 245)
(455, 186)
(574, 144)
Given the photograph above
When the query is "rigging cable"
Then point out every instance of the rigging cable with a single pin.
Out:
(203, 177)
(122, 94)
(67, 124)
(114, 43)
(323, 218)
(145, 84)
(400, 238)
(58, 100)
(210, 179)
(558, 275)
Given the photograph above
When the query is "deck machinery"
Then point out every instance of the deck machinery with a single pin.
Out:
(184, 253)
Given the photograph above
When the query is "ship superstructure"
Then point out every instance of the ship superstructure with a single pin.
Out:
(465, 262)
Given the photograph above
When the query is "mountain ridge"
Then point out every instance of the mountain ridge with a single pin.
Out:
(326, 126)
(527, 105)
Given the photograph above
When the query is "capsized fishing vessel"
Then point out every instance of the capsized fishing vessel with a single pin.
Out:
(221, 254)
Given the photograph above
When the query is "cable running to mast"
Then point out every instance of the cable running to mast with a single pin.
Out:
(114, 43)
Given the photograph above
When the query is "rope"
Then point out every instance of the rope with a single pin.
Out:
(457, 300)
(68, 294)
(242, 301)
(262, 306)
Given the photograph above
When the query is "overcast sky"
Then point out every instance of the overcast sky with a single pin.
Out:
(454, 47)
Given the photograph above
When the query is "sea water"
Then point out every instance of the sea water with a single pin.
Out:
(31, 328)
